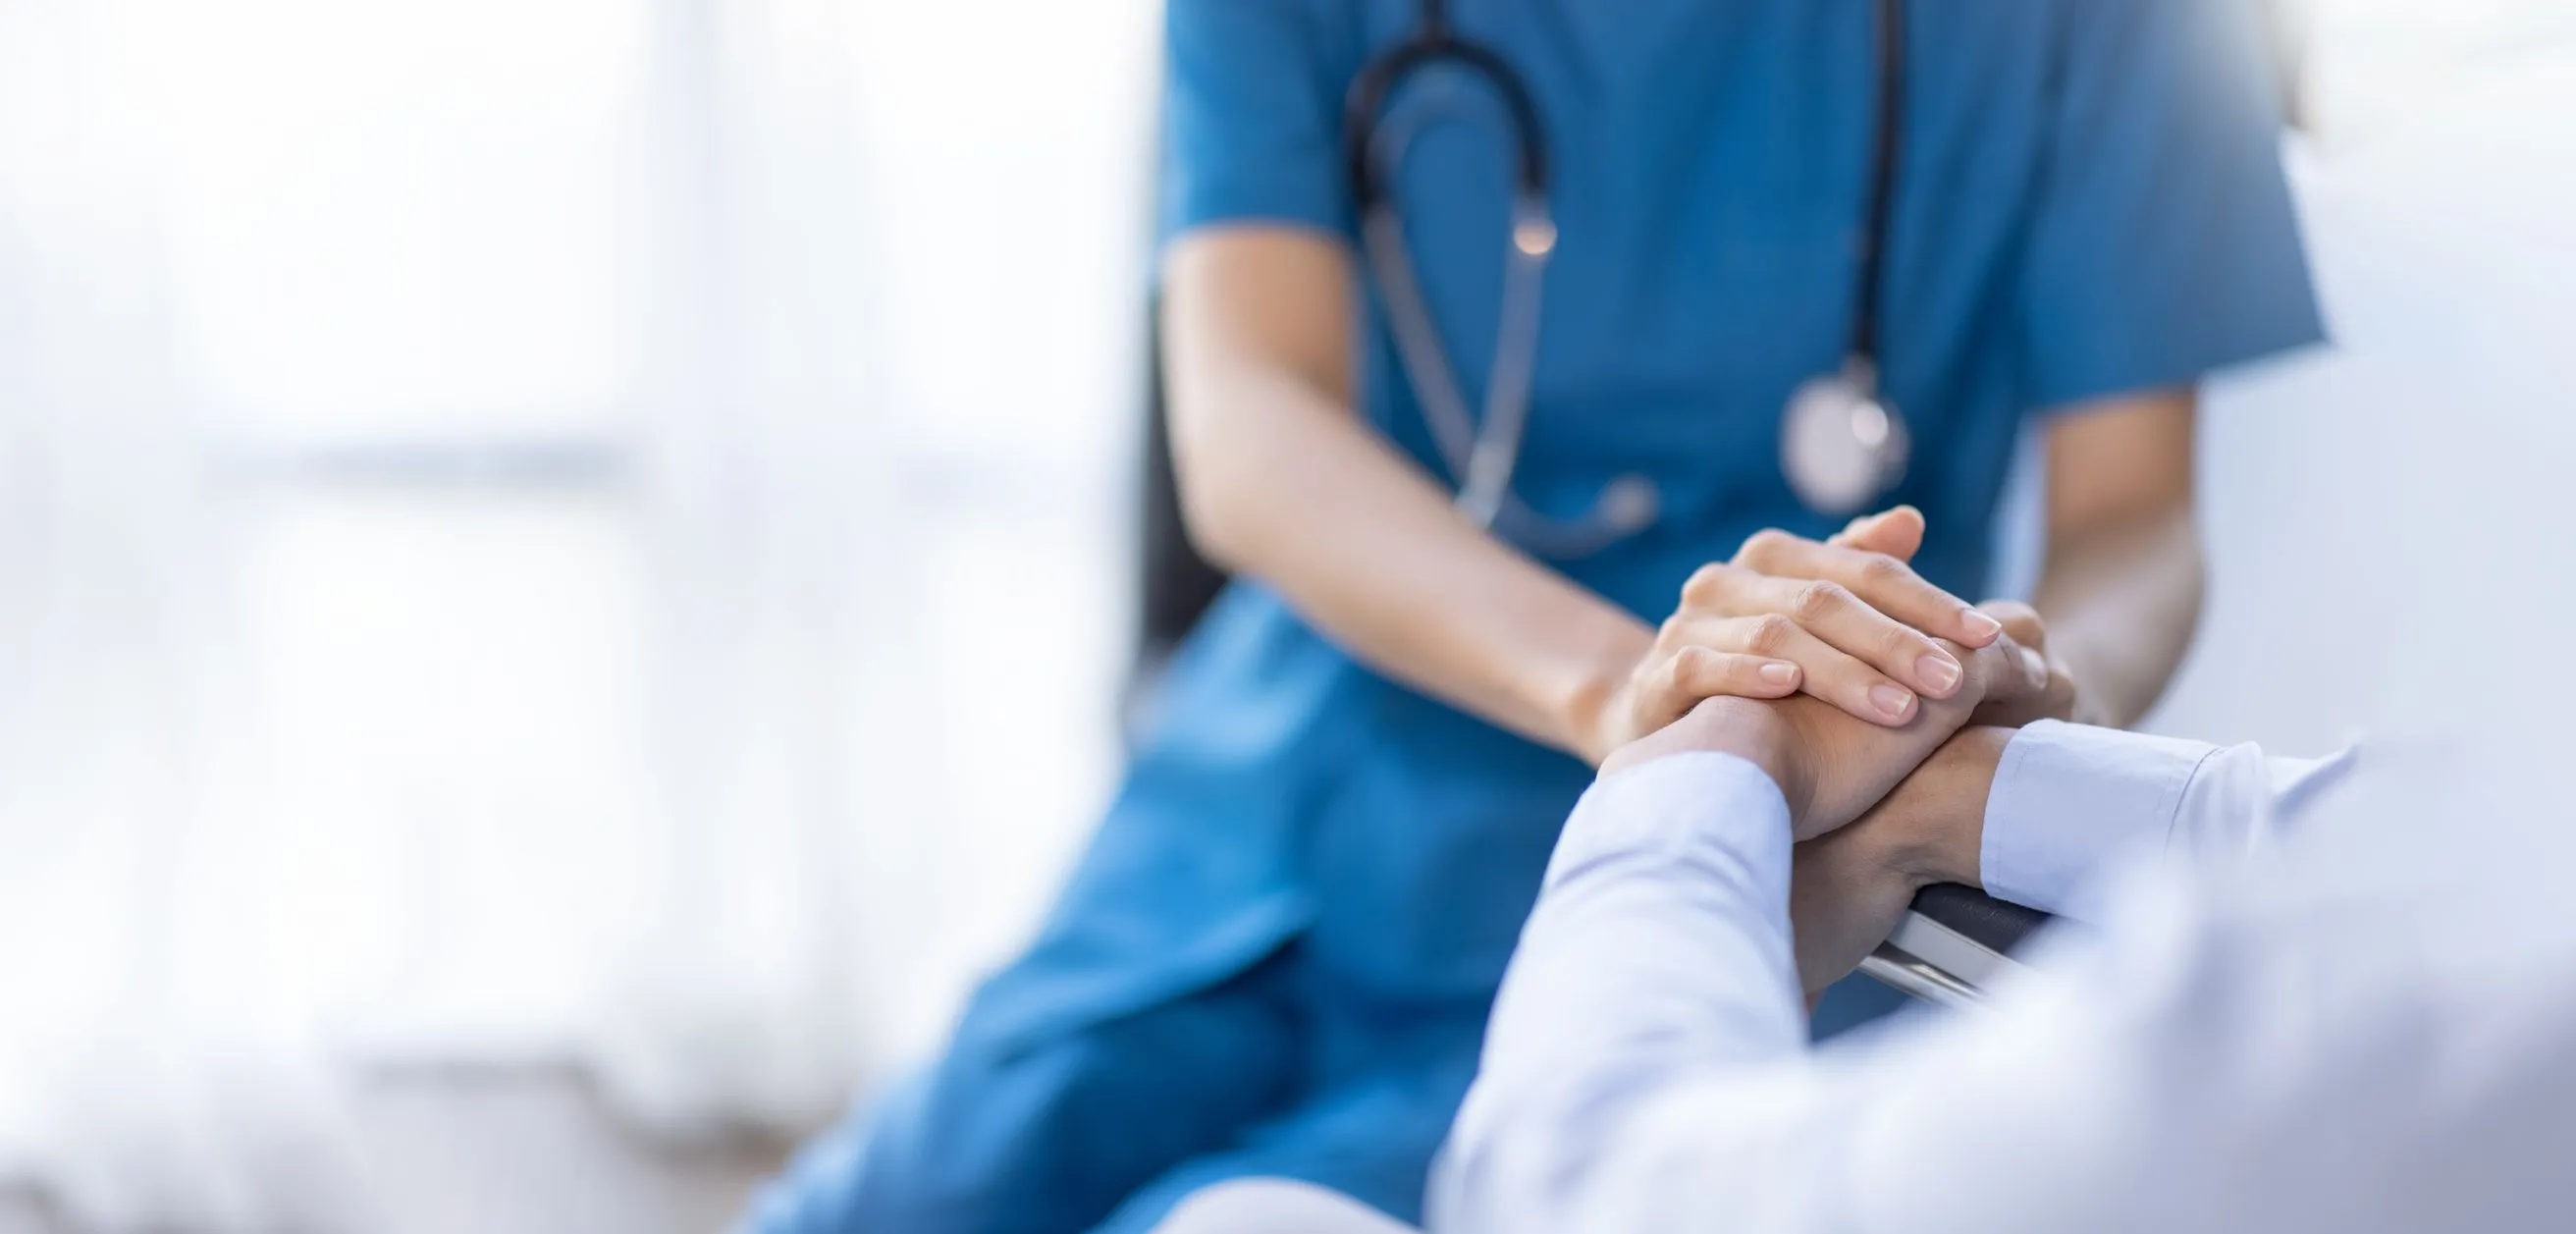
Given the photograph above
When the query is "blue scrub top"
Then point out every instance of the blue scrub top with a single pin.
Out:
(2089, 200)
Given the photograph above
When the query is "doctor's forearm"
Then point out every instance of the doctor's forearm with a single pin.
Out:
(1309, 501)
(1282, 480)
(2122, 603)
(2122, 586)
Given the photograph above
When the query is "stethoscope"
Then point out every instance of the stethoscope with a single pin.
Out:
(1842, 443)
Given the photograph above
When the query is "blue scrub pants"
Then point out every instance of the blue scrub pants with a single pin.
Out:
(1276, 1072)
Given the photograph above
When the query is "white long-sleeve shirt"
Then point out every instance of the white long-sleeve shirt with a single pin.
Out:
(2346, 1007)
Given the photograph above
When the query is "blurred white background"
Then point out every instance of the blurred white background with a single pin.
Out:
(574, 533)
(591, 536)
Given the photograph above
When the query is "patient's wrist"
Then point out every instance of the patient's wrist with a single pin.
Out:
(2070, 795)
(1944, 806)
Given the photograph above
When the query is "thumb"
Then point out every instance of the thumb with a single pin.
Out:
(1897, 533)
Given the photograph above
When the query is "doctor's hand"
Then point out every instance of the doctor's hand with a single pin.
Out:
(1830, 767)
(1845, 621)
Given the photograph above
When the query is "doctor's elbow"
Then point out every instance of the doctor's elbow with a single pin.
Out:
(1247, 452)
(1219, 514)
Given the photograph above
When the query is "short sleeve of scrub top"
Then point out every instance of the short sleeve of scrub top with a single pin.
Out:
(2164, 244)
(1252, 113)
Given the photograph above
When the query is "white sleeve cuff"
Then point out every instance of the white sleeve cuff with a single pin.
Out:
(2066, 797)
(1703, 808)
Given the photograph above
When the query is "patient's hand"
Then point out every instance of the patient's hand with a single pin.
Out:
(1829, 766)
(2054, 702)
(1849, 887)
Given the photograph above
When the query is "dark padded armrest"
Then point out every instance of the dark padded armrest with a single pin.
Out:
(1995, 924)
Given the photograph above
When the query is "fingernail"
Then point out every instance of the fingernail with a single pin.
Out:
(1891, 702)
(2033, 665)
(1980, 626)
(1778, 674)
(1939, 671)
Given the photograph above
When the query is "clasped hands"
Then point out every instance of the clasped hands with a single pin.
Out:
(1884, 757)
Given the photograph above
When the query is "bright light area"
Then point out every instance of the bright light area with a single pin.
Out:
(718, 751)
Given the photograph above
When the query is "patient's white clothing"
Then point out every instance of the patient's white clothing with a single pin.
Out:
(2069, 802)
(2362, 1019)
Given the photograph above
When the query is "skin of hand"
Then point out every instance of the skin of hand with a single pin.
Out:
(1850, 886)
(2123, 580)
(1900, 537)
(1829, 766)
(2054, 701)
(2124, 577)
(1846, 621)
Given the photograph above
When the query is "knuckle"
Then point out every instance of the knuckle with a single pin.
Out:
(1818, 600)
(1980, 670)
(1881, 570)
(1769, 634)
(1690, 664)
(1764, 545)
(1705, 583)
(2012, 671)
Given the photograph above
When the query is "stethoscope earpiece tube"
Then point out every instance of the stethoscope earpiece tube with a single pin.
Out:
(1884, 142)
(1370, 92)
(1482, 461)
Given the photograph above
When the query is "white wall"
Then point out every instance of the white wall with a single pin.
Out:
(2393, 547)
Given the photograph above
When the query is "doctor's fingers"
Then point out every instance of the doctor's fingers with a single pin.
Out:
(1824, 670)
(1833, 612)
(1881, 580)
(1682, 675)
(1897, 532)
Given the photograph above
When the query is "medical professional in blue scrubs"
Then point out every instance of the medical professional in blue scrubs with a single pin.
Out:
(1277, 956)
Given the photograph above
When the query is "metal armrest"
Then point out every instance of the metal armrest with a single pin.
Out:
(1952, 944)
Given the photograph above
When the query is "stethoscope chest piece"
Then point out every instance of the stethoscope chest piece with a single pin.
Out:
(1842, 446)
